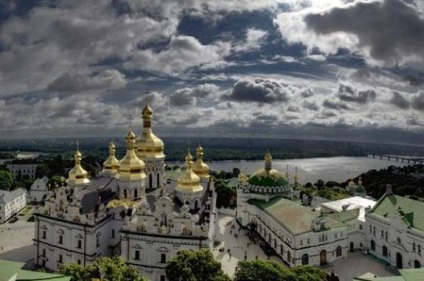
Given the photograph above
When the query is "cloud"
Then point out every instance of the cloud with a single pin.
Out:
(182, 98)
(335, 105)
(182, 53)
(108, 79)
(391, 31)
(260, 90)
(399, 101)
(350, 94)
(418, 101)
(254, 38)
(386, 31)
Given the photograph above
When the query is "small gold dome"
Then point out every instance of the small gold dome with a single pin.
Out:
(131, 167)
(148, 144)
(200, 167)
(111, 165)
(78, 176)
(188, 180)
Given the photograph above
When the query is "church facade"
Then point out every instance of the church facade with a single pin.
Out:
(391, 229)
(130, 210)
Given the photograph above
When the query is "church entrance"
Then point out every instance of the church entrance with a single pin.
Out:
(399, 261)
(417, 264)
(352, 247)
(323, 257)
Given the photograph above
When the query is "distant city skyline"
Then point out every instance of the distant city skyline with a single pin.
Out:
(339, 69)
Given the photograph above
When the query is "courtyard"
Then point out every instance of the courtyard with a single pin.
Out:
(16, 245)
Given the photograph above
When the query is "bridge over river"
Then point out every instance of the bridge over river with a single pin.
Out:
(399, 158)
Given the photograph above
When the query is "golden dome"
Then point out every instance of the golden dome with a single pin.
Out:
(188, 180)
(200, 167)
(131, 167)
(148, 144)
(268, 176)
(111, 165)
(78, 176)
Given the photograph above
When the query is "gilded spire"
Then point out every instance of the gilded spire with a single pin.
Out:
(188, 180)
(78, 176)
(200, 168)
(268, 161)
(131, 167)
(111, 165)
(148, 144)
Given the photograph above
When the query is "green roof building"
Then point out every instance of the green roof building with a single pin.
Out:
(12, 271)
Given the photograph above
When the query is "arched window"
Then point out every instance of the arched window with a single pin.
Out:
(305, 259)
(338, 251)
(413, 246)
(288, 257)
(135, 193)
(125, 193)
(150, 180)
(157, 180)
(385, 253)
(372, 245)
(281, 249)
(398, 240)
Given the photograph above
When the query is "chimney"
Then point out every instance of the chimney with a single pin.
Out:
(389, 189)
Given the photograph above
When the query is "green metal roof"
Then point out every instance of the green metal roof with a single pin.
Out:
(413, 210)
(10, 268)
(412, 274)
(298, 218)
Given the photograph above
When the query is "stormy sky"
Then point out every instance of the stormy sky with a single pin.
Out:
(344, 69)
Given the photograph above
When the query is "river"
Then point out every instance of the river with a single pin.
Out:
(337, 169)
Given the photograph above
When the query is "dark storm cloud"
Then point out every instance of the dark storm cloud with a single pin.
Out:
(350, 94)
(418, 102)
(391, 29)
(259, 90)
(334, 105)
(107, 79)
(399, 101)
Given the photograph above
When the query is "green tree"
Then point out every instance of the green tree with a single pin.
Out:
(192, 265)
(114, 269)
(6, 180)
(258, 270)
(269, 270)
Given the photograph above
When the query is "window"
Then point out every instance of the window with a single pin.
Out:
(382, 233)
(385, 253)
(360, 226)
(372, 245)
(79, 262)
(162, 278)
(60, 239)
(43, 252)
(44, 234)
(419, 249)
(163, 258)
(370, 228)
(305, 259)
(338, 251)
(413, 246)
(281, 249)
(98, 242)
(113, 233)
(60, 258)
(288, 257)
(137, 254)
(398, 240)
(79, 244)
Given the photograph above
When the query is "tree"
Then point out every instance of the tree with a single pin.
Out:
(258, 270)
(6, 180)
(192, 265)
(114, 269)
(270, 270)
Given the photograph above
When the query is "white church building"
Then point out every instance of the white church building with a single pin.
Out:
(130, 210)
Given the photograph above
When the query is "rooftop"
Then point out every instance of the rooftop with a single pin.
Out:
(9, 269)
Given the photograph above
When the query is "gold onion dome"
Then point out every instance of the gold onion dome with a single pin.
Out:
(188, 180)
(131, 167)
(78, 176)
(200, 167)
(111, 164)
(268, 176)
(148, 144)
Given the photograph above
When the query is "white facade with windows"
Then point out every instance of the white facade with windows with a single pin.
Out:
(23, 170)
(11, 202)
